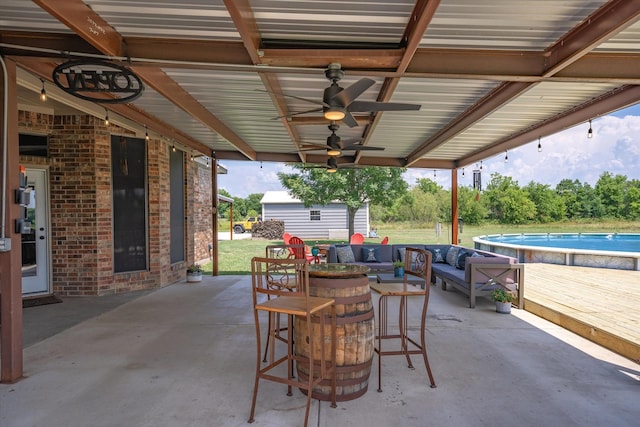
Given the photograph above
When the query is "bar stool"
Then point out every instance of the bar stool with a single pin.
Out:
(418, 264)
(268, 296)
(285, 283)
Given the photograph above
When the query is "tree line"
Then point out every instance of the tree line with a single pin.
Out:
(504, 201)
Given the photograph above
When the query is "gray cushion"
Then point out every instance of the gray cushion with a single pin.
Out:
(345, 254)
(452, 255)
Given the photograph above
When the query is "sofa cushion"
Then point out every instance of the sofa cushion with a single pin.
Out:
(345, 254)
(437, 255)
(371, 254)
(452, 255)
(463, 254)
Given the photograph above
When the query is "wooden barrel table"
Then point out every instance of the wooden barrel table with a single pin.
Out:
(348, 285)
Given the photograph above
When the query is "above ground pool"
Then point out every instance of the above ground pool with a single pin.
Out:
(605, 250)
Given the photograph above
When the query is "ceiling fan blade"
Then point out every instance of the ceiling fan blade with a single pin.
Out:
(349, 120)
(359, 147)
(348, 95)
(372, 106)
(313, 101)
(312, 147)
(313, 110)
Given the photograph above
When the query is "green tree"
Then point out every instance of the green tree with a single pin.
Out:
(353, 187)
(549, 205)
(252, 202)
(632, 200)
(470, 206)
(223, 207)
(581, 200)
(610, 189)
(507, 202)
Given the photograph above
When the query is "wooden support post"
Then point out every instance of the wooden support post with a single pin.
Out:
(10, 261)
(454, 206)
(214, 214)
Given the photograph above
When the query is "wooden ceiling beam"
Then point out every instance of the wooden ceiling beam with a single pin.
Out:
(79, 17)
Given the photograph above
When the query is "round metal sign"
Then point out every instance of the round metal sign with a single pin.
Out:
(88, 79)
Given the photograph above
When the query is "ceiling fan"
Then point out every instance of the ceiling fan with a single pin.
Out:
(335, 146)
(338, 103)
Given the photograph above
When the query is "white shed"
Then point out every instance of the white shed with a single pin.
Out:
(315, 222)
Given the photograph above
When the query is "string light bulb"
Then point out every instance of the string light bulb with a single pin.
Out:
(506, 156)
(43, 92)
(434, 173)
(462, 171)
(146, 133)
(480, 164)
(173, 148)
(590, 131)
(539, 145)
(106, 117)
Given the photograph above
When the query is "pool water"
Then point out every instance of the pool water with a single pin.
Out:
(590, 241)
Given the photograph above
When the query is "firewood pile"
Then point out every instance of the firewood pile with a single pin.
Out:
(270, 230)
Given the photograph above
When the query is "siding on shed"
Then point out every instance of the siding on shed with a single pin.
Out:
(297, 221)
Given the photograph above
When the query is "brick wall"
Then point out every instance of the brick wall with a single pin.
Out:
(80, 207)
(202, 211)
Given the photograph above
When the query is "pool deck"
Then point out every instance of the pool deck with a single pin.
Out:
(602, 305)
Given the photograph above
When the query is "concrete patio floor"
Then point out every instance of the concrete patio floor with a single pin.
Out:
(184, 355)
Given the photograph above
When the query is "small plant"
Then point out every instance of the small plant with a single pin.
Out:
(501, 295)
(398, 264)
(194, 268)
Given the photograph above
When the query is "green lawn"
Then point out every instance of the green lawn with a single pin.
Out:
(235, 255)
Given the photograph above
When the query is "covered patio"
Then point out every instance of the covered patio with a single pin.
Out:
(185, 355)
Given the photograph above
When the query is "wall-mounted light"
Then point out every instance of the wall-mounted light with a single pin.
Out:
(506, 156)
(539, 145)
(43, 92)
(106, 117)
(146, 133)
(590, 131)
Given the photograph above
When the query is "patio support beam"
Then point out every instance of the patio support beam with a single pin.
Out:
(11, 337)
(454, 206)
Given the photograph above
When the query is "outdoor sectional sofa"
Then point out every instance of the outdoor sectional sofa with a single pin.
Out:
(455, 265)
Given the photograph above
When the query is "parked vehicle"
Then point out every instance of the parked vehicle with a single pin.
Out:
(246, 225)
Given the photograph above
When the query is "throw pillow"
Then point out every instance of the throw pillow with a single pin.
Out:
(462, 256)
(370, 255)
(436, 255)
(345, 254)
(452, 256)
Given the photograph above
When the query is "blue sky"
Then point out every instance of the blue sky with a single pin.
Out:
(615, 148)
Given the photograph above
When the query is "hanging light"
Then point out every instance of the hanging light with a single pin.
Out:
(590, 131)
(480, 164)
(462, 171)
(539, 145)
(192, 157)
(43, 93)
(261, 164)
(173, 148)
(106, 117)
(506, 156)
(146, 133)
(434, 173)
(332, 165)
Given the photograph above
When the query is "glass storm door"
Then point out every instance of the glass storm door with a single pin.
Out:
(35, 246)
